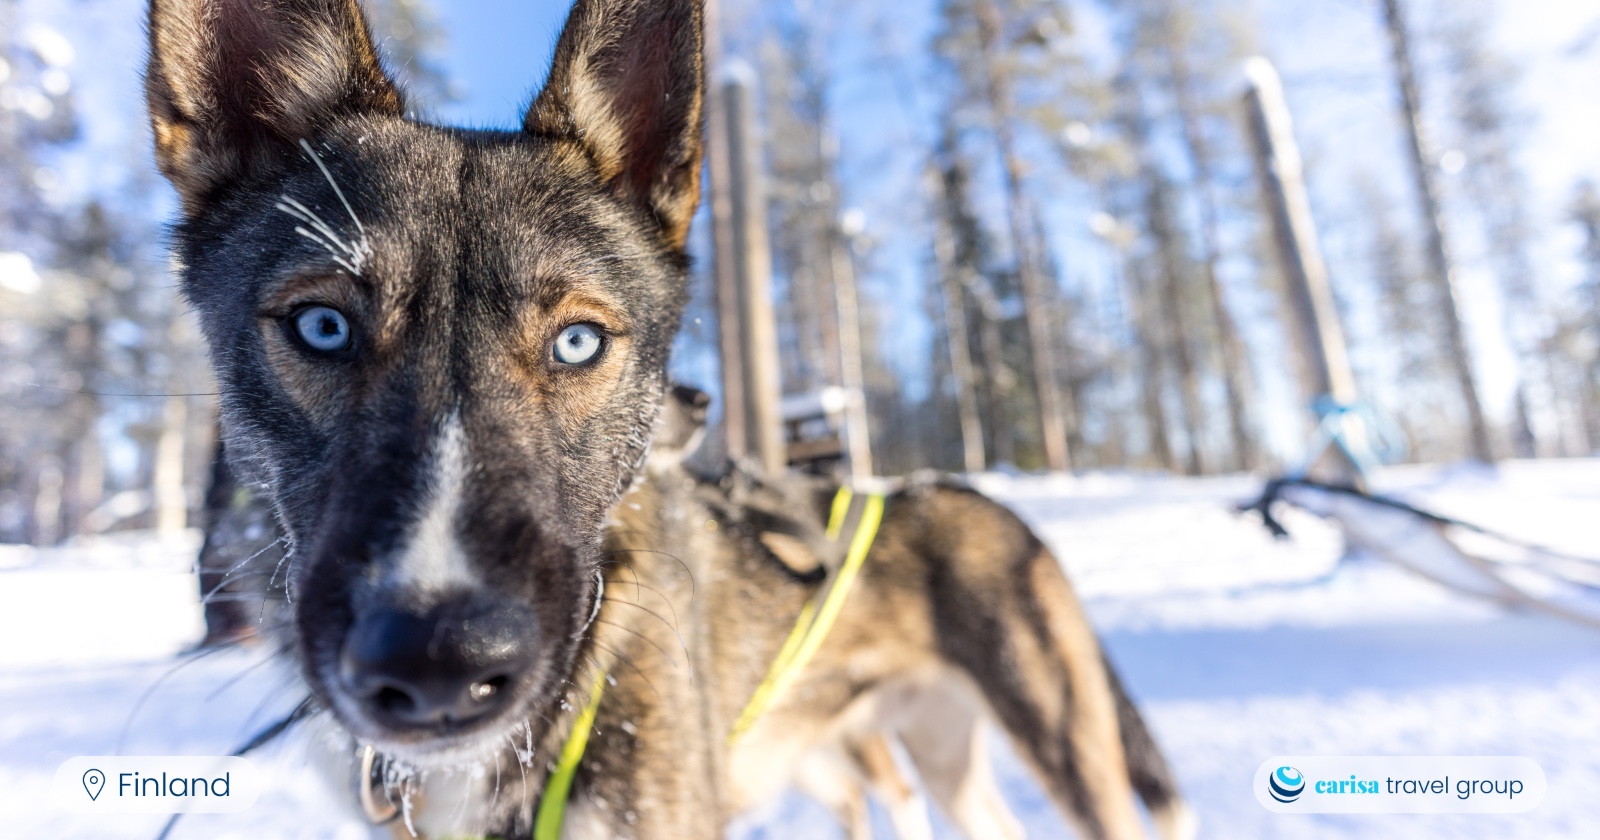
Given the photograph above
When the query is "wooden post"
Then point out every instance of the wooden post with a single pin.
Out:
(753, 261)
(857, 434)
(1316, 321)
(724, 262)
(1433, 224)
(1326, 364)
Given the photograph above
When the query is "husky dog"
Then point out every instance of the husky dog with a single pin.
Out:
(441, 356)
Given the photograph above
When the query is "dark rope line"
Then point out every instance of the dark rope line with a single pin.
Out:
(301, 712)
(1274, 491)
(82, 392)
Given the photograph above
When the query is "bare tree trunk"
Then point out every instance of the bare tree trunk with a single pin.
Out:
(48, 483)
(1035, 313)
(1155, 412)
(1584, 372)
(167, 496)
(1234, 378)
(89, 479)
(1433, 223)
(843, 329)
(1180, 345)
(1000, 378)
(1170, 299)
(955, 321)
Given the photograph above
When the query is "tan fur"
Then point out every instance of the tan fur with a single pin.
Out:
(310, 66)
(692, 588)
(1092, 713)
(945, 737)
(579, 102)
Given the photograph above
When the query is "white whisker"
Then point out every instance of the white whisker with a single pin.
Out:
(301, 213)
(336, 257)
(287, 555)
(305, 214)
(364, 248)
(336, 191)
(241, 564)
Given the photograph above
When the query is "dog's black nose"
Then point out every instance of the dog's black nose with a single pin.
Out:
(444, 667)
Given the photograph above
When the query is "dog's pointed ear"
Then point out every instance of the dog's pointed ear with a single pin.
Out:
(628, 84)
(233, 85)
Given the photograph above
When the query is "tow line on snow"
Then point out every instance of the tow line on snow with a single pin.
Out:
(1418, 541)
(1274, 490)
(300, 712)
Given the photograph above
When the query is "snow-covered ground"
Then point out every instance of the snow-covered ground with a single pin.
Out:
(1238, 647)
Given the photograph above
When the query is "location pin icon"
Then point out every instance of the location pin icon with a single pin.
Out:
(94, 781)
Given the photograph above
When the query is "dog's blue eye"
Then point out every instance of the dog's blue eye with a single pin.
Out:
(322, 328)
(578, 344)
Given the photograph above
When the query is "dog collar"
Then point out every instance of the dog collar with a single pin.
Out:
(815, 621)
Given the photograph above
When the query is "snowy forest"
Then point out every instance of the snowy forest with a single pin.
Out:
(1034, 234)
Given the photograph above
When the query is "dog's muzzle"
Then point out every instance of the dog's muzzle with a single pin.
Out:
(439, 669)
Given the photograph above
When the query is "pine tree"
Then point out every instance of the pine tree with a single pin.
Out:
(998, 49)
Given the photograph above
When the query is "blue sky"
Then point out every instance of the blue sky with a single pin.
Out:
(499, 50)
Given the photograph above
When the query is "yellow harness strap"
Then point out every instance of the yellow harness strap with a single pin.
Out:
(804, 640)
(553, 803)
(814, 622)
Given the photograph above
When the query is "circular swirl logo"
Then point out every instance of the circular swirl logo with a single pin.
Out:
(1286, 784)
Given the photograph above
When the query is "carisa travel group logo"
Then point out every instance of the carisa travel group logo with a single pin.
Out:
(1379, 784)
(1286, 784)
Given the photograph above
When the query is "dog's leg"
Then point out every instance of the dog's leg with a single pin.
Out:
(908, 808)
(830, 776)
(1076, 735)
(1005, 613)
(1148, 769)
(945, 738)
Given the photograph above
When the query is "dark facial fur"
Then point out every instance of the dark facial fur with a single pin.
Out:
(446, 454)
